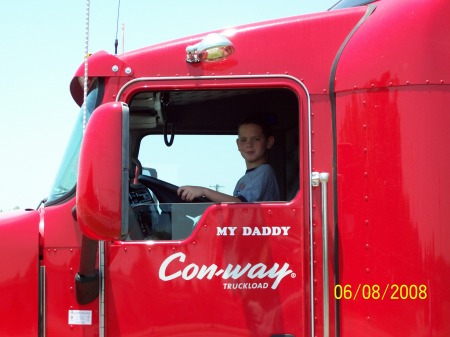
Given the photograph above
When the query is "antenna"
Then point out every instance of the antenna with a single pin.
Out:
(116, 42)
(86, 55)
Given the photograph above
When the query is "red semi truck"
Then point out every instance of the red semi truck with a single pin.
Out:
(359, 101)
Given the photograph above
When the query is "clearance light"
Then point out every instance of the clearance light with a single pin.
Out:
(214, 47)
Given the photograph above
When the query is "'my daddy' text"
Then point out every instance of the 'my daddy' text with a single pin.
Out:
(253, 231)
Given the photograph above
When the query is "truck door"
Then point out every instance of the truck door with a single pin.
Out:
(203, 268)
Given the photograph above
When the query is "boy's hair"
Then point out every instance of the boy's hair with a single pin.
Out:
(258, 120)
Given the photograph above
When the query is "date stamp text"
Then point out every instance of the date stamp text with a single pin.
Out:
(380, 292)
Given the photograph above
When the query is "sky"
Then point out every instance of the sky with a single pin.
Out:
(43, 44)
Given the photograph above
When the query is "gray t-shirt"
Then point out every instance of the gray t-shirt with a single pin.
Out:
(258, 184)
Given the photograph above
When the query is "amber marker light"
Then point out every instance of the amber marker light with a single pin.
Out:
(213, 48)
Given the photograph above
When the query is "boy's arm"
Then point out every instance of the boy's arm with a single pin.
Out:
(189, 193)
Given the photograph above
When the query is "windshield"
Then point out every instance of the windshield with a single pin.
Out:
(351, 3)
(68, 170)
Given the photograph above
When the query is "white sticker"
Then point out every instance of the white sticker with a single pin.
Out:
(80, 317)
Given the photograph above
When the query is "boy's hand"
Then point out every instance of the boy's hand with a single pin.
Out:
(189, 193)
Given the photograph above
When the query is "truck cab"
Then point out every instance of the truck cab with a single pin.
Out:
(357, 244)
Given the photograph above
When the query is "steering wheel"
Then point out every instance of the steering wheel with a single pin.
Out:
(164, 191)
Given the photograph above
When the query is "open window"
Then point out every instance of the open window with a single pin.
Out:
(188, 137)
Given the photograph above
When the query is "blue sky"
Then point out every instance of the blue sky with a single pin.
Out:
(43, 43)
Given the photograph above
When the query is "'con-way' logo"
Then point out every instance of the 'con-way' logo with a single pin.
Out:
(191, 271)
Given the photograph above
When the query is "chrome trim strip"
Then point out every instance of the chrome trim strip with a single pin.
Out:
(42, 308)
(326, 302)
(125, 168)
(101, 300)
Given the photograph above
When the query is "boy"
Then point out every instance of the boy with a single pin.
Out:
(259, 182)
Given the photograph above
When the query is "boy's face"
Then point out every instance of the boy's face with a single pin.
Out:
(253, 144)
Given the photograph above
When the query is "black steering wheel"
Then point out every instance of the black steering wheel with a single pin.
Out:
(164, 191)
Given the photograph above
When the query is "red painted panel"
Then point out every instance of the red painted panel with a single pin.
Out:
(61, 265)
(400, 43)
(393, 210)
(256, 303)
(19, 254)
(304, 47)
(61, 259)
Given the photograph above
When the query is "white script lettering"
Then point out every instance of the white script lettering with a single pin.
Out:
(190, 271)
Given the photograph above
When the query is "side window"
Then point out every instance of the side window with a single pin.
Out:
(204, 152)
(202, 160)
(205, 160)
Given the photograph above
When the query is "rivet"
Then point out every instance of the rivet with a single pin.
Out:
(128, 71)
(115, 68)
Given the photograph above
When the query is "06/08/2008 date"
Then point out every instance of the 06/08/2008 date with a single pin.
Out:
(377, 292)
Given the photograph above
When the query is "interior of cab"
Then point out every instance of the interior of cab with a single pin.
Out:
(188, 137)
